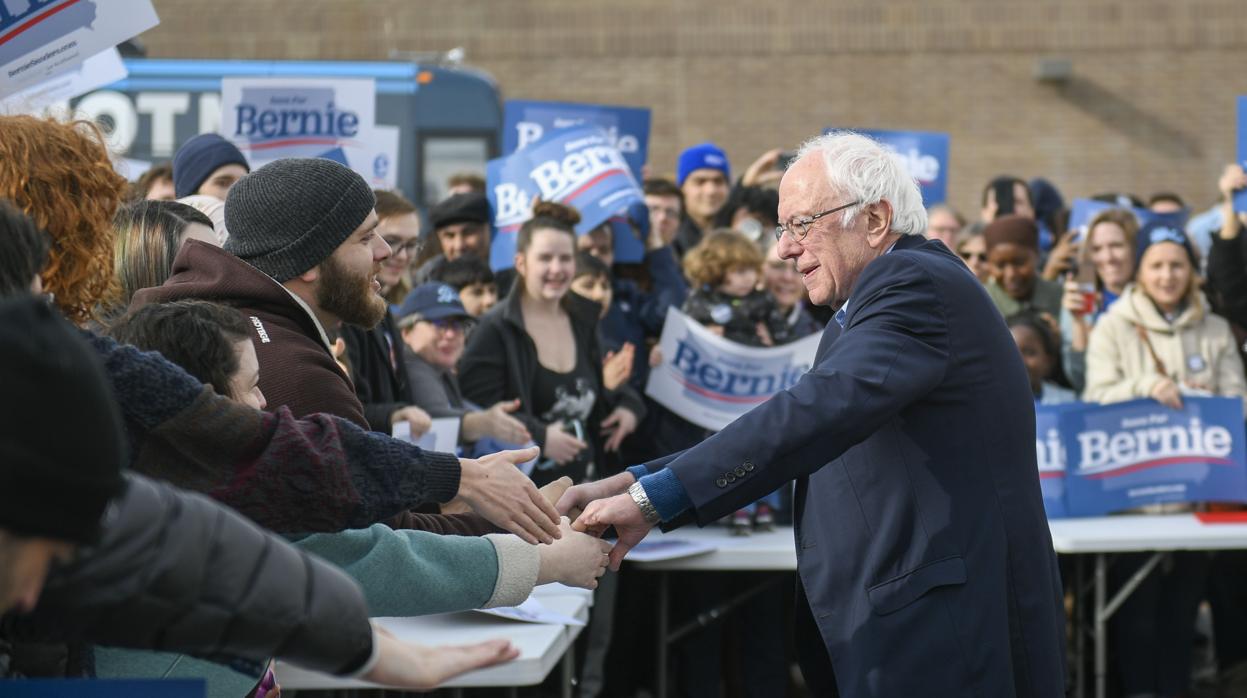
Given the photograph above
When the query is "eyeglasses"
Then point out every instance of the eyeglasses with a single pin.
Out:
(451, 324)
(798, 228)
(397, 246)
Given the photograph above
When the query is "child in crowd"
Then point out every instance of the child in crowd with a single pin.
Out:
(1040, 354)
(593, 281)
(725, 269)
(212, 342)
(473, 279)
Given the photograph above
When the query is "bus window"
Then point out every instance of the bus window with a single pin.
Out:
(443, 156)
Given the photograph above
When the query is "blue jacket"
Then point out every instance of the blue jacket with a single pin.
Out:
(922, 544)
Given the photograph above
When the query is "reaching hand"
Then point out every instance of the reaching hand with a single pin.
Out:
(621, 512)
(619, 424)
(764, 171)
(578, 497)
(423, 667)
(496, 422)
(617, 366)
(419, 420)
(553, 491)
(1061, 258)
(497, 490)
(1166, 392)
(576, 559)
(561, 446)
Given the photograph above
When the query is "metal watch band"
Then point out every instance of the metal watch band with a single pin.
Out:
(642, 500)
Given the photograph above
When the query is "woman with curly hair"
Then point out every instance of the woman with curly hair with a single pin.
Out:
(63, 179)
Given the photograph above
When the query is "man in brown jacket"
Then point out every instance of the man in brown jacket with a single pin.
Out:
(302, 258)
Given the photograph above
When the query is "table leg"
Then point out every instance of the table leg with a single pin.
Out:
(1080, 628)
(569, 669)
(664, 603)
(1101, 650)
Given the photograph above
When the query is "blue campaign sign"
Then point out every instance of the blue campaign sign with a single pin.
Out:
(525, 123)
(924, 154)
(1083, 211)
(1135, 453)
(578, 167)
(104, 688)
(1050, 453)
(1240, 196)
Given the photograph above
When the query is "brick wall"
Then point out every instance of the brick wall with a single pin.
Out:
(1150, 105)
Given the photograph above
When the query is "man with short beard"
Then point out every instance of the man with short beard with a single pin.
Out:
(302, 258)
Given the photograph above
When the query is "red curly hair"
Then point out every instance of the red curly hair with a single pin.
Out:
(60, 175)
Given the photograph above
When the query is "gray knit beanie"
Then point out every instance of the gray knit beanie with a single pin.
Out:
(291, 214)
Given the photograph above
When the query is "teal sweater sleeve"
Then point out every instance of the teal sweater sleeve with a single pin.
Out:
(412, 573)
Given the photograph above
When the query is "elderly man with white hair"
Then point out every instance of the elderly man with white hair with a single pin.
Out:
(925, 563)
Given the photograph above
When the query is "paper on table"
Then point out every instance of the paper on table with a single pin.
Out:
(668, 549)
(532, 611)
(443, 436)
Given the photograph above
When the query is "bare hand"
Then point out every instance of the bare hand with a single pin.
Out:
(561, 446)
(417, 418)
(618, 424)
(424, 667)
(578, 497)
(763, 171)
(621, 512)
(1061, 258)
(553, 491)
(576, 559)
(655, 356)
(496, 422)
(764, 335)
(617, 366)
(1072, 299)
(1167, 393)
(498, 491)
(1232, 179)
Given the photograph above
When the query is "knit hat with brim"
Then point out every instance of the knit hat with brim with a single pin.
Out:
(290, 215)
(61, 442)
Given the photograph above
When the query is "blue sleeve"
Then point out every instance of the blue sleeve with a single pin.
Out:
(666, 493)
(668, 289)
(638, 471)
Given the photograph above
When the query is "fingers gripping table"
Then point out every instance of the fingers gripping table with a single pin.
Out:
(1099, 537)
(541, 646)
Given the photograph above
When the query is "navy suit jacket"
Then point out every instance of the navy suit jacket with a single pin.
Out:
(922, 544)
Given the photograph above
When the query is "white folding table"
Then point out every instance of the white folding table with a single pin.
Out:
(1100, 537)
(541, 646)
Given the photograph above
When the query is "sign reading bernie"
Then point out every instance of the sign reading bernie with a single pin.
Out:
(711, 381)
(1131, 454)
(41, 39)
(526, 123)
(578, 167)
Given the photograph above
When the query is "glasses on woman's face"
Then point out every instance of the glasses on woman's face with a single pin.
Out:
(398, 246)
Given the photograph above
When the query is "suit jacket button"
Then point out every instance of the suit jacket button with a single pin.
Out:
(740, 471)
(748, 466)
(721, 482)
(731, 477)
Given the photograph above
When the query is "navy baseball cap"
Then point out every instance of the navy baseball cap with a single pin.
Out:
(432, 301)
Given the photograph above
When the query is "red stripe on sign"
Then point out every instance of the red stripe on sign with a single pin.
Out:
(720, 396)
(1046, 474)
(1216, 517)
(1159, 462)
(591, 182)
(295, 141)
(32, 22)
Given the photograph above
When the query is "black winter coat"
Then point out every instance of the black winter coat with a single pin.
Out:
(176, 571)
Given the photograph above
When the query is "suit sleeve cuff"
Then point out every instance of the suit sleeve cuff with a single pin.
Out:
(374, 655)
(638, 471)
(666, 493)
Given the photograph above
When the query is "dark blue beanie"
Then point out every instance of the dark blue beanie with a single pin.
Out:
(199, 157)
(1155, 232)
(706, 156)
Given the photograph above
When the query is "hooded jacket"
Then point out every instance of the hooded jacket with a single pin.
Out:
(1196, 348)
(297, 367)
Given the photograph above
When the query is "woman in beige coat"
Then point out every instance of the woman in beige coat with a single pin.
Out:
(1160, 341)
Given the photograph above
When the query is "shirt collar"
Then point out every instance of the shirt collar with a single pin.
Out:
(843, 313)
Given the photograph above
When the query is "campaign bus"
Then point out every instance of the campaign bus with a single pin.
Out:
(449, 117)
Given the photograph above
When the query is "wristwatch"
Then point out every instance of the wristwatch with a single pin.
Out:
(642, 501)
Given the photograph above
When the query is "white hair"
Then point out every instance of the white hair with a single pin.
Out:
(863, 170)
